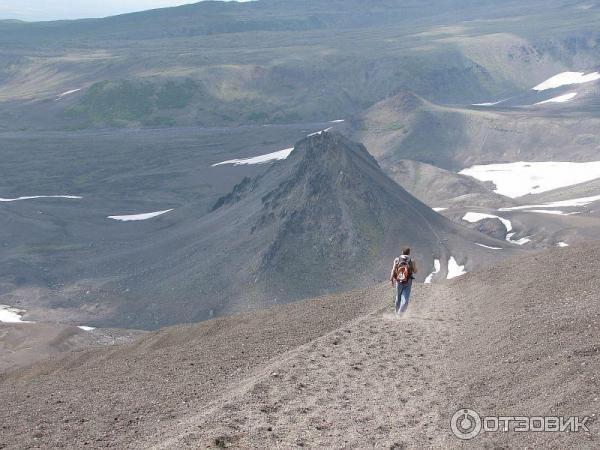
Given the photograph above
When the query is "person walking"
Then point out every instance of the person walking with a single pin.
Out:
(402, 276)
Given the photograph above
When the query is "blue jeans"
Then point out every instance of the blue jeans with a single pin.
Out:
(402, 296)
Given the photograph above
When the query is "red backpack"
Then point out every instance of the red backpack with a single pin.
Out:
(403, 273)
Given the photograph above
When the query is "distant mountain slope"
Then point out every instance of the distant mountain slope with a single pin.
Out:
(441, 188)
(278, 61)
(564, 93)
(408, 127)
(588, 189)
(280, 377)
(218, 17)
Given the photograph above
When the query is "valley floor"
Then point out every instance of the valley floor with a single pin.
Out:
(339, 371)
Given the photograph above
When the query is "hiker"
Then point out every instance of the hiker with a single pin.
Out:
(403, 272)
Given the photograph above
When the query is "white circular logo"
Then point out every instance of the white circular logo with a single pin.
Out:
(465, 424)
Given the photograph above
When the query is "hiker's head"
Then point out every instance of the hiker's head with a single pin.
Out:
(405, 251)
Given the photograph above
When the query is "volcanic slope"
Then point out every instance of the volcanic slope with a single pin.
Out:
(337, 371)
(442, 188)
(23, 344)
(589, 189)
(407, 126)
(326, 219)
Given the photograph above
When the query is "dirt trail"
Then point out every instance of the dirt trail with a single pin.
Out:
(373, 382)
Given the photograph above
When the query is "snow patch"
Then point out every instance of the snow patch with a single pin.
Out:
(475, 217)
(64, 94)
(8, 314)
(583, 201)
(554, 212)
(261, 159)
(437, 266)
(134, 217)
(39, 196)
(439, 209)
(567, 79)
(562, 244)
(454, 269)
(487, 246)
(560, 99)
(491, 103)
(522, 241)
(337, 121)
(320, 132)
(86, 328)
(521, 178)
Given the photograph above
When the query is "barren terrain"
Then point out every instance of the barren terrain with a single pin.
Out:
(338, 371)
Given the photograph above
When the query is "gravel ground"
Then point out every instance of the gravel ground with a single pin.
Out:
(22, 345)
(339, 371)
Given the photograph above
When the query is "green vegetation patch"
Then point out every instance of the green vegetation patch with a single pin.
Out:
(120, 102)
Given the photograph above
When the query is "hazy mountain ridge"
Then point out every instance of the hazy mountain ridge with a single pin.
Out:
(330, 60)
(205, 18)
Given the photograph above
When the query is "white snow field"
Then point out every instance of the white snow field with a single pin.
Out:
(583, 201)
(134, 217)
(8, 314)
(560, 99)
(72, 197)
(522, 178)
(567, 79)
(437, 266)
(261, 159)
(454, 269)
(488, 247)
